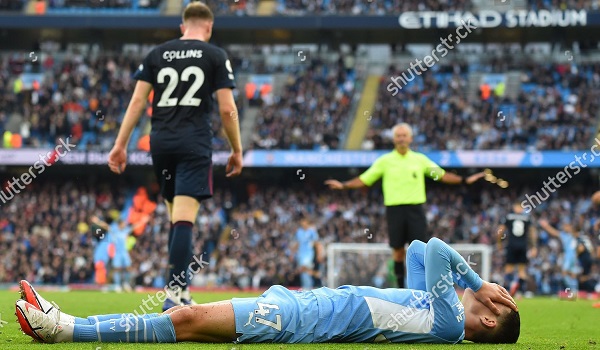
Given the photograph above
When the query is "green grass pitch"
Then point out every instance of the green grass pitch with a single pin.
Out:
(546, 323)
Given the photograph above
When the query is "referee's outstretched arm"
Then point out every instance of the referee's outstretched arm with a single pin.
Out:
(346, 185)
(453, 179)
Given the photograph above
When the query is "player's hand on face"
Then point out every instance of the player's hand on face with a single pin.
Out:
(474, 177)
(490, 293)
(334, 184)
(234, 165)
(117, 159)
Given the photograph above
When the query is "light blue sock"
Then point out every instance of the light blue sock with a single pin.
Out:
(126, 276)
(128, 329)
(117, 277)
(92, 320)
(306, 280)
(573, 284)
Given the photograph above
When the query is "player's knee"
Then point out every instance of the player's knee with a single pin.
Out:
(187, 316)
(173, 309)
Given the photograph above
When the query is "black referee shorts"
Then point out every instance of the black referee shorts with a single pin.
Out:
(405, 224)
(516, 255)
(183, 174)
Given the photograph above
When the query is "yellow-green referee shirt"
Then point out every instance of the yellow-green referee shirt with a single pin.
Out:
(403, 176)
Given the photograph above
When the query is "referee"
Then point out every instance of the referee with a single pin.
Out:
(403, 172)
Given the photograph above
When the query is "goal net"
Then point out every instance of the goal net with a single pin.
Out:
(371, 264)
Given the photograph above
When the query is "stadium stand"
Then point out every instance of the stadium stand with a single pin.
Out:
(359, 7)
(310, 111)
(556, 109)
(290, 7)
(78, 6)
(85, 97)
(12, 5)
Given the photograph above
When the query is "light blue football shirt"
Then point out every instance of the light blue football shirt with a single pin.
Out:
(306, 254)
(119, 237)
(430, 312)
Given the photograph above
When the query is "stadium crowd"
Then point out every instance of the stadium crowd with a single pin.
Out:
(300, 7)
(45, 232)
(555, 110)
(111, 4)
(311, 111)
(81, 95)
(12, 5)
(87, 96)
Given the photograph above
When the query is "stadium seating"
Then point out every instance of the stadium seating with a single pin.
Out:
(284, 7)
(86, 98)
(104, 6)
(555, 110)
(12, 5)
(311, 110)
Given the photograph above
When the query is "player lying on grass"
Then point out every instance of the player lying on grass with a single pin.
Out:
(428, 312)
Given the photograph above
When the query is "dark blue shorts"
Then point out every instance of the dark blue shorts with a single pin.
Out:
(183, 174)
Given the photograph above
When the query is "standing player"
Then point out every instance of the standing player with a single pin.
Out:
(318, 264)
(117, 233)
(101, 256)
(306, 237)
(568, 239)
(519, 232)
(585, 256)
(184, 73)
(403, 172)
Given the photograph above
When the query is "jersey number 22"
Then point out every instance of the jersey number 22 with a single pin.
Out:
(188, 99)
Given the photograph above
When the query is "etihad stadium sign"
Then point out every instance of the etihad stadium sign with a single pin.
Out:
(493, 19)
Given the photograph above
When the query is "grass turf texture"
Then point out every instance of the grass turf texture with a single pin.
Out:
(546, 323)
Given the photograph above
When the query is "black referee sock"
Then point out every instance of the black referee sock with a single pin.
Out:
(170, 235)
(399, 272)
(180, 254)
(522, 285)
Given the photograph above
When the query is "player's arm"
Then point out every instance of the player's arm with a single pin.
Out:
(229, 118)
(501, 234)
(442, 263)
(136, 107)
(143, 221)
(415, 267)
(117, 159)
(549, 228)
(319, 251)
(97, 221)
(533, 240)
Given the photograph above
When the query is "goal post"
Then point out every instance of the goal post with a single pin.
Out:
(370, 264)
